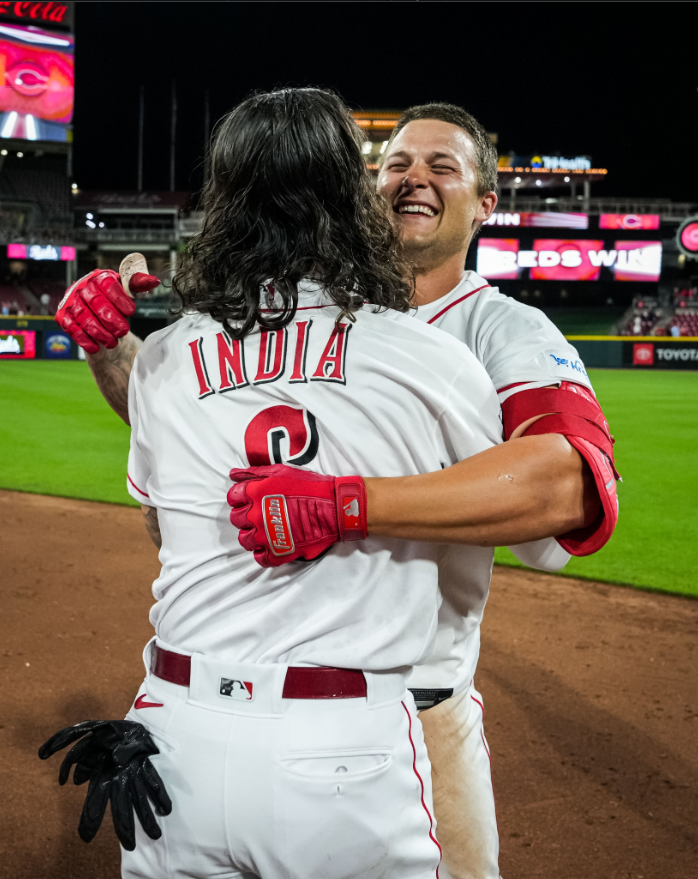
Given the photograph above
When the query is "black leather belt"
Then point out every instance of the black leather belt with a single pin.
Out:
(428, 698)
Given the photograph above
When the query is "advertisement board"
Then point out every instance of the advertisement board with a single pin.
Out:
(661, 355)
(36, 83)
(40, 251)
(497, 258)
(17, 344)
(554, 259)
(629, 221)
(57, 346)
(637, 260)
(540, 219)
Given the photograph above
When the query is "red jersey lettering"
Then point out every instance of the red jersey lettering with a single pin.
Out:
(298, 374)
(272, 356)
(197, 354)
(231, 363)
(331, 365)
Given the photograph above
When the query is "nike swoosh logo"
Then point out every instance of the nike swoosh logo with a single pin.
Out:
(141, 703)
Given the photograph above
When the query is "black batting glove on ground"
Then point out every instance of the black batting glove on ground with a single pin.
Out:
(114, 757)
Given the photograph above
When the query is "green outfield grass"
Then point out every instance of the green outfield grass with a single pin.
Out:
(57, 436)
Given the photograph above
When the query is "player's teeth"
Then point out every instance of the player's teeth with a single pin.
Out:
(416, 209)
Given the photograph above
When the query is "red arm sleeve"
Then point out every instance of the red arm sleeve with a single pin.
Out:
(573, 411)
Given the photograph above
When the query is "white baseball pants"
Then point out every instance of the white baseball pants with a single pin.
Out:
(462, 781)
(285, 788)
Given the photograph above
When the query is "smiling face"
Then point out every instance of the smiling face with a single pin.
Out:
(429, 179)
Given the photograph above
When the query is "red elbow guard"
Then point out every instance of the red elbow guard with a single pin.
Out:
(572, 410)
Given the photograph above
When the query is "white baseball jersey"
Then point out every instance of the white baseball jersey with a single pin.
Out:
(520, 348)
(386, 396)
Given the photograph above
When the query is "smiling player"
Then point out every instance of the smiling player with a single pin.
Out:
(439, 176)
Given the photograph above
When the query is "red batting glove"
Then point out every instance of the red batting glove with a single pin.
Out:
(285, 513)
(94, 310)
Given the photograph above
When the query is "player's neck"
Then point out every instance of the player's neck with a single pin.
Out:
(434, 281)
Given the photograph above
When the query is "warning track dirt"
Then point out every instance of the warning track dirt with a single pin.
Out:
(590, 698)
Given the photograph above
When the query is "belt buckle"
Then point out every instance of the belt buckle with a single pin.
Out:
(425, 699)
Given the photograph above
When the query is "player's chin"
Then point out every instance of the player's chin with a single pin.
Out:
(417, 239)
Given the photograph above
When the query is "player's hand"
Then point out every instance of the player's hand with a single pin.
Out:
(285, 513)
(94, 309)
(114, 756)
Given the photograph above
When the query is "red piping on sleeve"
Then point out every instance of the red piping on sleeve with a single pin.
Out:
(421, 784)
(462, 298)
(145, 494)
(509, 387)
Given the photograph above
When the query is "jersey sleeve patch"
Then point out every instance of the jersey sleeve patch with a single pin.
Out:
(562, 365)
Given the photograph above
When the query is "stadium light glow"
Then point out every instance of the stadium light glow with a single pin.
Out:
(90, 216)
(27, 36)
(9, 124)
(20, 155)
(31, 127)
(3, 152)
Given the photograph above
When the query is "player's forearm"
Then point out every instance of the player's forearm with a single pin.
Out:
(111, 370)
(522, 490)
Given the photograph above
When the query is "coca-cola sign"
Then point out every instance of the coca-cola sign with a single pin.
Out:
(34, 12)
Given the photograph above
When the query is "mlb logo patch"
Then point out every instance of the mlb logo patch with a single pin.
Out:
(241, 691)
(643, 354)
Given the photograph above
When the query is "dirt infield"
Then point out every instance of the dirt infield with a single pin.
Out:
(590, 691)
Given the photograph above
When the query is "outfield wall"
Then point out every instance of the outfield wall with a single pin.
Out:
(637, 352)
(610, 352)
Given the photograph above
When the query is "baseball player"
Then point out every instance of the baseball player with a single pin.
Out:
(512, 341)
(275, 701)
(439, 178)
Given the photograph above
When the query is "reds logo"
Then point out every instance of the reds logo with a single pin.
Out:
(281, 435)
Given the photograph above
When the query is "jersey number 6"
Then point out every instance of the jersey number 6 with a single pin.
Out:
(281, 435)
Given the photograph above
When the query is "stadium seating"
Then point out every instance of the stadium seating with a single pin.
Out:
(12, 298)
(687, 322)
(54, 289)
(641, 317)
(684, 297)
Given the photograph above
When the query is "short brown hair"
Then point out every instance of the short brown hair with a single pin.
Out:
(484, 148)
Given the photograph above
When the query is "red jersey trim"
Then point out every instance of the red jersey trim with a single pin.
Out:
(509, 387)
(462, 299)
(421, 784)
(145, 494)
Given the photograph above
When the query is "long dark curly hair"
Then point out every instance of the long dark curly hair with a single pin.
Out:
(289, 197)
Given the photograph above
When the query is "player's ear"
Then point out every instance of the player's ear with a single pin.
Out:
(486, 205)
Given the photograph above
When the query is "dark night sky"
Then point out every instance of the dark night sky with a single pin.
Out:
(616, 81)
